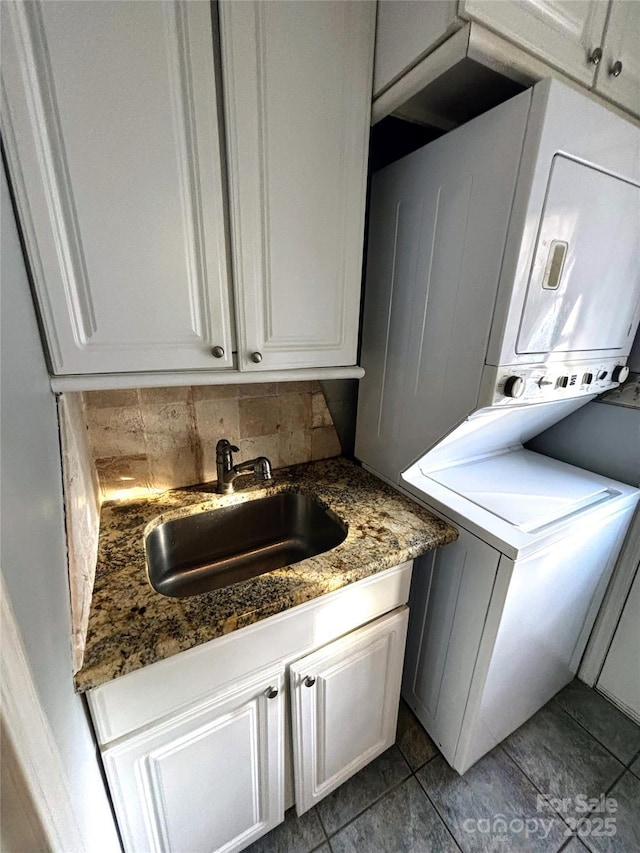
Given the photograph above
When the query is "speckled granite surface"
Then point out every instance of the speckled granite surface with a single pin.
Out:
(131, 625)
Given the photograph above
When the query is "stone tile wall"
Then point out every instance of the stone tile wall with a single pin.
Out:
(162, 438)
(82, 516)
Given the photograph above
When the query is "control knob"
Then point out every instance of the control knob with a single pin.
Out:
(587, 379)
(620, 373)
(514, 386)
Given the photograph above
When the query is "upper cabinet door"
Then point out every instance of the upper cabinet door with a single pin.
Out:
(110, 120)
(563, 33)
(297, 81)
(619, 72)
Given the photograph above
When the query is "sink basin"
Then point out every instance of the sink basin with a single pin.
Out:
(210, 550)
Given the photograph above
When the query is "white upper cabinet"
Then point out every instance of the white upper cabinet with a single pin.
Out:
(563, 33)
(109, 115)
(297, 85)
(433, 55)
(405, 30)
(619, 72)
(110, 119)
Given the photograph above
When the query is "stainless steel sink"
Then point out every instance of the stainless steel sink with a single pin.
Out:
(210, 550)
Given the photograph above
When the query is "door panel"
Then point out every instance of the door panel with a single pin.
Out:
(620, 676)
(298, 94)
(344, 706)
(111, 130)
(209, 779)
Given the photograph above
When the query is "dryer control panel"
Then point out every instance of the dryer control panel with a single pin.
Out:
(518, 385)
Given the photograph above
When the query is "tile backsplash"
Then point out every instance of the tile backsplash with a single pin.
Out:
(82, 516)
(163, 438)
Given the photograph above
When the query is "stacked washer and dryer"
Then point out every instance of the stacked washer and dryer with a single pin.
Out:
(502, 293)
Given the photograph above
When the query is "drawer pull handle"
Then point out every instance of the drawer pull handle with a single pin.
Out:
(271, 692)
(309, 681)
(616, 69)
(217, 352)
(256, 357)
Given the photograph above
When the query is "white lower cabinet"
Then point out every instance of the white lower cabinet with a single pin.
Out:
(196, 747)
(344, 706)
(208, 779)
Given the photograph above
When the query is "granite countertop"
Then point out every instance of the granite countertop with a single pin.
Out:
(131, 625)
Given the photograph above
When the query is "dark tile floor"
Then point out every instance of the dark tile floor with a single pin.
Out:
(409, 799)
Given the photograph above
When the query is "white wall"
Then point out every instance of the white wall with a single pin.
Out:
(600, 437)
(32, 550)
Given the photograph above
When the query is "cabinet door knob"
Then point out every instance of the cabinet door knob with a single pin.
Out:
(271, 692)
(595, 56)
(256, 357)
(309, 681)
(616, 69)
(218, 352)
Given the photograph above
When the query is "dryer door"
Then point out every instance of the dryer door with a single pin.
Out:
(584, 286)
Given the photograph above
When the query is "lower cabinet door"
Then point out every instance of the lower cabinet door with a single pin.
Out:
(209, 779)
(344, 701)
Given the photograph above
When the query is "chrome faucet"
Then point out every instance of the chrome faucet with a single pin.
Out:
(227, 471)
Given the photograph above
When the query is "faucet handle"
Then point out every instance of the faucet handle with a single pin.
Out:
(225, 447)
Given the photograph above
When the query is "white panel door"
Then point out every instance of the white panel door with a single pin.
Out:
(210, 779)
(621, 82)
(561, 32)
(620, 676)
(109, 117)
(344, 706)
(297, 80)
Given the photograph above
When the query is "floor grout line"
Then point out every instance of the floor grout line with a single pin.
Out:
(369, 806)
(570, 840)
(563, 820)
(322, 826)
(633, 760)
(542, 794)
(591, 734)
(612, 786)
(437, 811)
(428, 761)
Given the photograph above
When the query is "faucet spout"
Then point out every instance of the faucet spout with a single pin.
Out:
(263, 468)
